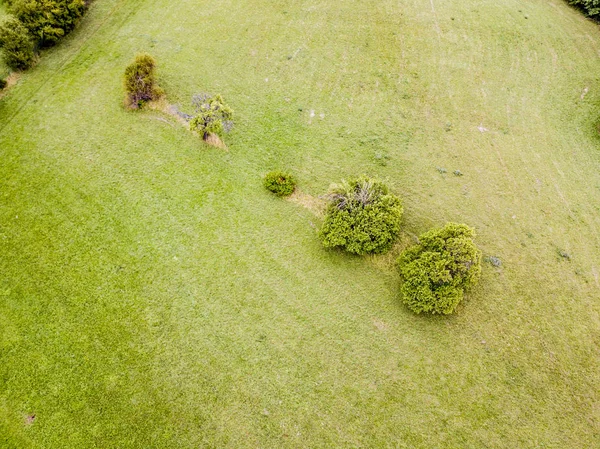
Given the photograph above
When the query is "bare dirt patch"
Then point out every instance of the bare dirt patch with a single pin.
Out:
(11, 80)
(215, 141)
(315, 204)
(162, 105)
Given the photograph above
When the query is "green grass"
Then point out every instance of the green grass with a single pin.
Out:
(154, 295)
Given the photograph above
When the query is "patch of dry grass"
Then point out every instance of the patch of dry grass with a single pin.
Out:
(314, 204)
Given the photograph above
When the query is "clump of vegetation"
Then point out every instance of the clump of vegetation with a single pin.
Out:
(493, 260)
(438, 270)
(35, 24)
(280, 183)
(17, 45)
(564, 254)
(48, 20)
(3, 83)
(213, 116)
(140, 81)
(362, 217)
(590, 7)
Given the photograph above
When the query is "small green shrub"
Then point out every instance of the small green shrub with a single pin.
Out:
(213, 116)
(280, 183)
(48, 20)
(140, 81)
(438, 270)
(16, 44)
(362, 217)
(2, 83)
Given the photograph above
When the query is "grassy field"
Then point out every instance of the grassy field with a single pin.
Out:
(153, 295)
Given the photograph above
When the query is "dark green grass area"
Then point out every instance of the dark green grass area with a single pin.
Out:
(154, 295)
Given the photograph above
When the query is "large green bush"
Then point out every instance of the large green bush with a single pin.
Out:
(17, 46)
(280, 183)
(212, 116)
(140, 81)
(590, 7)
(437, 271)
(48, 20)
(362, 217)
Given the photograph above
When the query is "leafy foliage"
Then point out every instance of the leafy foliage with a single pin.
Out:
(280, 183)
(140, 81)
(213, 116)
(590, 7)
(437, 271)
(48, 20)
(16, 44)
(2, 83)
(362, 217)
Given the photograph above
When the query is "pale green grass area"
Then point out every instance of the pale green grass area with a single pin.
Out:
(153, 295)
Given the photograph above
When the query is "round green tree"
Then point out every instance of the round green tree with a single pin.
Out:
(437, 271)
(280, 183)
(362, 217)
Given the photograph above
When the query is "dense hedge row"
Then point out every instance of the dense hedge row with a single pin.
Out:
(17, 44)
(35, 24)
(590, 7)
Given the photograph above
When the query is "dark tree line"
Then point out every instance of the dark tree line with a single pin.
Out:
(36, 24)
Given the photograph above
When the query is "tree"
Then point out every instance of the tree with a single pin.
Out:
(140, 81)
(362, 217)
(16, 44)
(48, 20)
(438, 270)
(213, 116)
